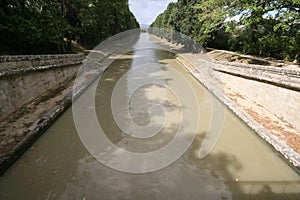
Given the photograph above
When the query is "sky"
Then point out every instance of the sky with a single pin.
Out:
(146, 11)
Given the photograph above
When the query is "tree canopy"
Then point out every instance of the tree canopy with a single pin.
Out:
(260, 27)
(37, 26)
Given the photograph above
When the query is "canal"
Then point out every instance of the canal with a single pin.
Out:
(60, 166)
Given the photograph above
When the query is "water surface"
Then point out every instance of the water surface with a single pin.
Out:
(241, 166)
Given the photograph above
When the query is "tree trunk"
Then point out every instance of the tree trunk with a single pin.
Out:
(297, 59)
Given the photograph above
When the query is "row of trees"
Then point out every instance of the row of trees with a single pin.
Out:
(260, 27)
(37, 26)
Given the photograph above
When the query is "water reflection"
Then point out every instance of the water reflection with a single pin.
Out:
(241, 166)
(141, 100)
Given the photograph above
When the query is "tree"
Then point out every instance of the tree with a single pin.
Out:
(49, 26)
(265, 27)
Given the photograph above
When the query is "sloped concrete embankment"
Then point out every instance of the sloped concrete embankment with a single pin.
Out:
(34, 90)
(24, 78)
(266, 98)
(276, 89)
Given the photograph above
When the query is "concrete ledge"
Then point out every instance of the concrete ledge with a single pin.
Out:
(286, 78)
(29, 61)
(14, 58)
(36, 69)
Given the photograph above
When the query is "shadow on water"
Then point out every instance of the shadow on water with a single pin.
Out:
(215, 165)
(218, 165)
(59, 167)
(45, 170)
(139, 102)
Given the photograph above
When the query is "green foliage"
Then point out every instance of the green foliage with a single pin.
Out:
(38, 26)
(180, 17)
(266, 27)
(272, 28)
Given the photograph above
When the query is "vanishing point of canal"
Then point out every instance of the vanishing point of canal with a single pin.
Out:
(241, 165)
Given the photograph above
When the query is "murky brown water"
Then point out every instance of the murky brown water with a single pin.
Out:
(241, 166)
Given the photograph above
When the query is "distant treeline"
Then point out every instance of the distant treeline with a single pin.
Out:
(49, 26)
(258, 27)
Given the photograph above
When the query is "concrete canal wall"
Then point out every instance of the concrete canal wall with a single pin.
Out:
(36, 90)
(26, 77)
(224, 84)
(275, 89)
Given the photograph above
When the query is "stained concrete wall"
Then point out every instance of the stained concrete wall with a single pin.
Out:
(276, 89)
(24, 78)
